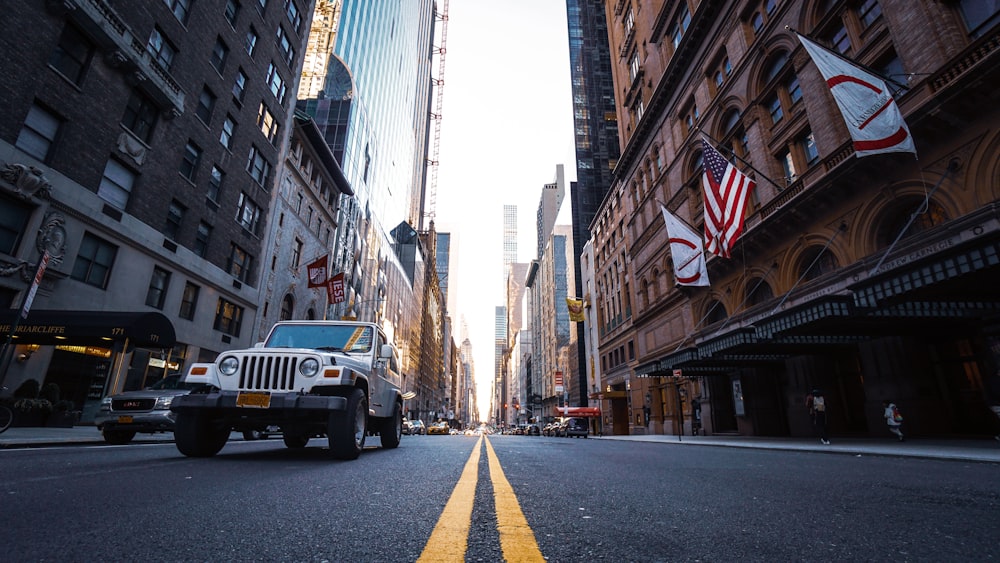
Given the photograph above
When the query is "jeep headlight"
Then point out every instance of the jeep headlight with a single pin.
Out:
(229, 365)
(309, 367)
(163, 403)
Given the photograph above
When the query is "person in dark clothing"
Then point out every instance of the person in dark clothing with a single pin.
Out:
(816, 403)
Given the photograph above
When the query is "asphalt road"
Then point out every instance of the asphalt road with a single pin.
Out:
(581, 500)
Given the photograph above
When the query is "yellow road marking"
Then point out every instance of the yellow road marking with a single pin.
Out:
(516, 538)
(450, 537)
(451, 533)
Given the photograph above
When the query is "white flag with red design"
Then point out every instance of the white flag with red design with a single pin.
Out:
(871, 114)
(686, 250)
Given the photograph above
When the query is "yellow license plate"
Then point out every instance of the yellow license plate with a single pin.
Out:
(253, 399)
(124, 420)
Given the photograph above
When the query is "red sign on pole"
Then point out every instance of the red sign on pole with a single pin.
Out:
(335, 288)
(559, 382)
(42, 263)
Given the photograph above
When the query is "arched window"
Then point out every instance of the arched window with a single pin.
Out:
(826, 263)
(895, 220)
(287, 306)
(715, 312)
(758, 291)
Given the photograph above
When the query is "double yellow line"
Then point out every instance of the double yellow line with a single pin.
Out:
(450, 536)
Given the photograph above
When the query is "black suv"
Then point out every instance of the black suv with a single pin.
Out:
(577, 427)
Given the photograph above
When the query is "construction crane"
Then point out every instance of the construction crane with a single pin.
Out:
(441, 18)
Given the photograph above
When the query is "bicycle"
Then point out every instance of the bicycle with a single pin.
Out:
(6, 416)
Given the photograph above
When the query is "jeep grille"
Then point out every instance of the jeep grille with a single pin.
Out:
(267, 372)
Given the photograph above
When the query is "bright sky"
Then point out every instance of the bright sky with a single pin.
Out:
(507, 122)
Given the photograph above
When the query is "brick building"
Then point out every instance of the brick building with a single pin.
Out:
(138, 146)
(868, 277)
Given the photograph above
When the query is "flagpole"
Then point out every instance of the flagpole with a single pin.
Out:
(837, 54)
(717, 144)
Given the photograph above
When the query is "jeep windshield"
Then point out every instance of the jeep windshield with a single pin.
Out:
(334, 338)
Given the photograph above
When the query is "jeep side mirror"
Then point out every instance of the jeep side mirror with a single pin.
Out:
(386, 351)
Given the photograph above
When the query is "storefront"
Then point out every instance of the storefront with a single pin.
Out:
(88, 354)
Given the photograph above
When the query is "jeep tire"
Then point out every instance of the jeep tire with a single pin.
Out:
(346, 429)
(391, 430)
(198, 435)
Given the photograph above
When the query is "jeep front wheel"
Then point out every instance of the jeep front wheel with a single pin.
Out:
(198, 435)
(346, 429)
(391, 431)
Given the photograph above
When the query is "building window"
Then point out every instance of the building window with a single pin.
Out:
(206, 104)
(220, 52)
(239, 87)
(815, 262)
(239, 263)
(251, 41)
(94, 261)
(758, 291)
(292, 11)
(72, 54)
(232, 10)
(215, 183)
(680, 26)
(228, 317)
(140, 116)
(189, 164)
(175, 214)
(39, 132)
(979, 16)
(14, 215)
(162, 51)
(286, 46)
(808, 143)
(257, 166)
(634, 67)
(287, 308)
(157, 292)
(180, 8)
(869, 11)
(297, 253)
(201, 237)
(268, 125)
(783, 84)
(228, 130)
(788, 166)
(276, 83)
(116, 184)
(189, 301)
(248, 214)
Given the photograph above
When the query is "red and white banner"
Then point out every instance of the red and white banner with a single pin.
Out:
(870, 112)
(686, 251)
(335, 289)
(726, 193)
(316, 272)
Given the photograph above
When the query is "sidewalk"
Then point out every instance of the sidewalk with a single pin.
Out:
(983, 450)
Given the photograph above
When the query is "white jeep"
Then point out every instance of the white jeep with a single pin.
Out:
(338, 379)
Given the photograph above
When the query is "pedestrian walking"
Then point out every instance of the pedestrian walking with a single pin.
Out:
(816, 403)
(893, 418)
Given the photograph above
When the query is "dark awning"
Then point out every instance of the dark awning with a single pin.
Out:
(90, 328)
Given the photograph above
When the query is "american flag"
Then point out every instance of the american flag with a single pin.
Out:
(726, 193)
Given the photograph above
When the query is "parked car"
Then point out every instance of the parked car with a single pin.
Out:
(576, 427)
(418, 427)
(147, 410)
(550, 429)
(560, 430)
(438, 428)
(533, 430)
(407, 426)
